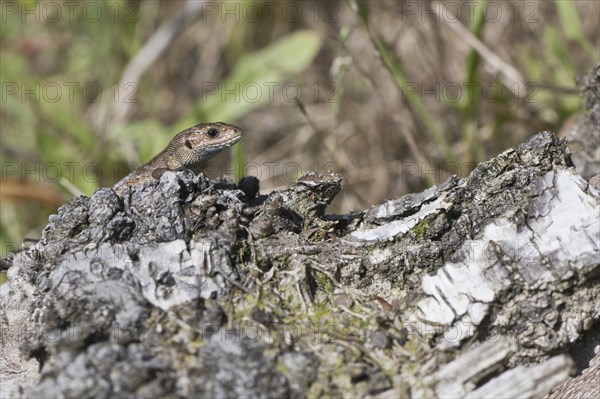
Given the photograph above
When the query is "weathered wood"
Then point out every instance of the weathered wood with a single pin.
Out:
(480, 287)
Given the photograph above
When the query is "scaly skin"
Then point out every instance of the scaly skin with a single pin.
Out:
(187, 150)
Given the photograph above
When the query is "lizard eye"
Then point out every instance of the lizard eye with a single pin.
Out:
(188, 144)
(212, 133)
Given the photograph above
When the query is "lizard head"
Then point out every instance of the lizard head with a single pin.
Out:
(199, 143)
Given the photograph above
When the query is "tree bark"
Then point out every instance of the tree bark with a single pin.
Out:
(485, 286)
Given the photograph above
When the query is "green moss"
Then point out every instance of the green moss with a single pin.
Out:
(324, 282)
(421, 228)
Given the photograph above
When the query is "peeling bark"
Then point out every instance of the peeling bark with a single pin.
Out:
(479, 287)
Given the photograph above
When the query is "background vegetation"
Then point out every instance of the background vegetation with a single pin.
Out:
(395, 95)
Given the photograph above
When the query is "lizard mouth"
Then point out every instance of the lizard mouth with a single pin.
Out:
(226, 143)
(213, 149)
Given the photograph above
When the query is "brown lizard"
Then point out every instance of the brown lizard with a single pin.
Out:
(187, 150)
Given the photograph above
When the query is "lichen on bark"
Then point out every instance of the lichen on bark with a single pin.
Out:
(194, 288)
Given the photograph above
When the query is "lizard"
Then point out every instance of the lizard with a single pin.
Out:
(187, 150)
